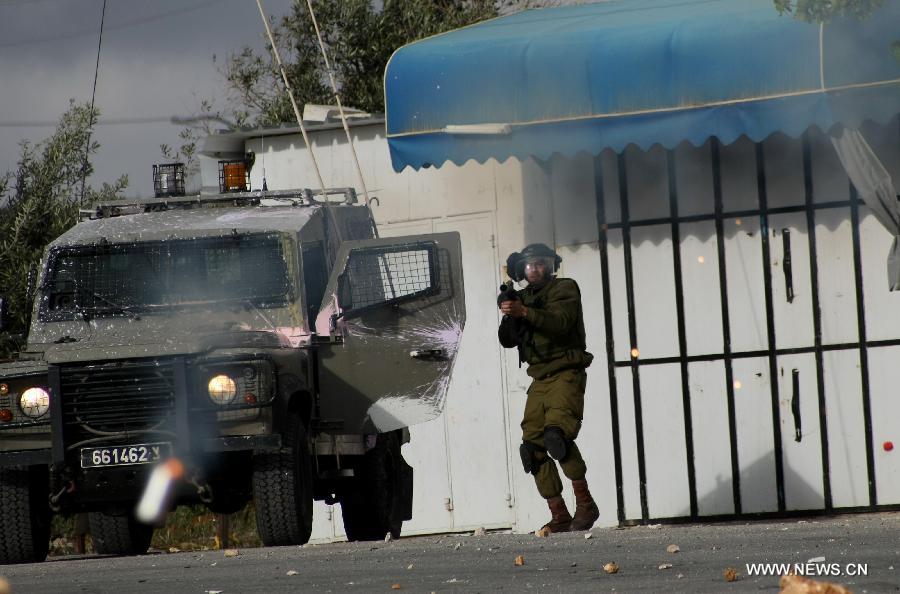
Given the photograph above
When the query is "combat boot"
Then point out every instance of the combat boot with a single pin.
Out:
(586, 511)
(559, 515)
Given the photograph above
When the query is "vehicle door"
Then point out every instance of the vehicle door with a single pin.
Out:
(393, 313)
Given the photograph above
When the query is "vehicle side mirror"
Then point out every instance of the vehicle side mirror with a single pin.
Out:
(4, 314)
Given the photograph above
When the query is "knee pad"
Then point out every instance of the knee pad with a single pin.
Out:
(529, 461)
(556, 443)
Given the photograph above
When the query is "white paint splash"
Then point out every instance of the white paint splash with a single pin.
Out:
(323, 319)
(396, 412)
(424, 402)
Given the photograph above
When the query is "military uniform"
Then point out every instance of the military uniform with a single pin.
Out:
(551, 340)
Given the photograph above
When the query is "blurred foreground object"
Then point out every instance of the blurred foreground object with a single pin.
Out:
(158, 493)
(795, 584)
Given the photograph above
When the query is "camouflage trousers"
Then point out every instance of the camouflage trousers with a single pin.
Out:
(556, 401)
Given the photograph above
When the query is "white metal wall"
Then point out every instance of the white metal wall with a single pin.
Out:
(775, 285)
(467, 469)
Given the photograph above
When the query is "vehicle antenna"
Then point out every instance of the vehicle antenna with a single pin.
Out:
(87, 145)
(265, 187)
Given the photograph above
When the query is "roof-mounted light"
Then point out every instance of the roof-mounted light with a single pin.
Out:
(234, 175)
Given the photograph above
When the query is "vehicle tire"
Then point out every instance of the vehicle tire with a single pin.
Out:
(24, 514)
(119, 535)
(383, 498)
(283, 489)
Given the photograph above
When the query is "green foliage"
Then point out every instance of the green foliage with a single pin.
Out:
(38, 202)
(62, 535)
(193, 528)
(187, 528)
(360, 36)
(822, 11)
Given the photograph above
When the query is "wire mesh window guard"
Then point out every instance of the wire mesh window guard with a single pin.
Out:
(376, 276)
(113, 279)
(168, 179)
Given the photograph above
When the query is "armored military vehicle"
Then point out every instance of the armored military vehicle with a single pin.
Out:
(267, 340)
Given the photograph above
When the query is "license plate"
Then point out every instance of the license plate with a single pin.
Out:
(141, 453)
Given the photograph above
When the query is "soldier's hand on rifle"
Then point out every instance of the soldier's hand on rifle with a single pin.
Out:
(514, 309)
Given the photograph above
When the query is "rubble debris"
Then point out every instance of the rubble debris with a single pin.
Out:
(611, 567)
(588, 535)
(673, 548)
(730, 574)
(520, 561)
(665, 566)
(479, 532)
(292, 572)
(232, 552)
(542, 532)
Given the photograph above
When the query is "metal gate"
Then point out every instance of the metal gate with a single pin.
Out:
(747, 378)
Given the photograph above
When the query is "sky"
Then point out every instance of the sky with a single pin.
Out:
(156, 62)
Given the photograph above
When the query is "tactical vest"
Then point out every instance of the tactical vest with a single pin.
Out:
(548, 353)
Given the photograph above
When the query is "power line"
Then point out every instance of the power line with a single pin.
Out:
(21, 2)
(122, 25)
(102, 122)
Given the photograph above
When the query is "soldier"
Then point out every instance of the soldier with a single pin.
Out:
(544, 321)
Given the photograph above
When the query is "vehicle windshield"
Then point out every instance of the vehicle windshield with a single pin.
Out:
(116, 278)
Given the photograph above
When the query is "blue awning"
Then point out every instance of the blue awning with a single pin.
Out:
(590, 77)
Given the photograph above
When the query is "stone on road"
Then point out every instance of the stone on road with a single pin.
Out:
(566, 562)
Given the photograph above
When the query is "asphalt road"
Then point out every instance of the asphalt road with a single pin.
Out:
(467, 563)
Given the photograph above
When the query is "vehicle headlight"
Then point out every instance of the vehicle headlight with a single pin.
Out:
(34, 402)
(222, 389)
(250, 383)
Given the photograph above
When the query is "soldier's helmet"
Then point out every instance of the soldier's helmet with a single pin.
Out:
(532, 255)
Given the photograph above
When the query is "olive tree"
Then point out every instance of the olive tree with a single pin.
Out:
(360, 36)
(822, 11)
(39, 201)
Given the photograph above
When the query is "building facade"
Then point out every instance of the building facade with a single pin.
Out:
(736, 302)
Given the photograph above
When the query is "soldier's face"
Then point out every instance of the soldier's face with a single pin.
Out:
(537, 271)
